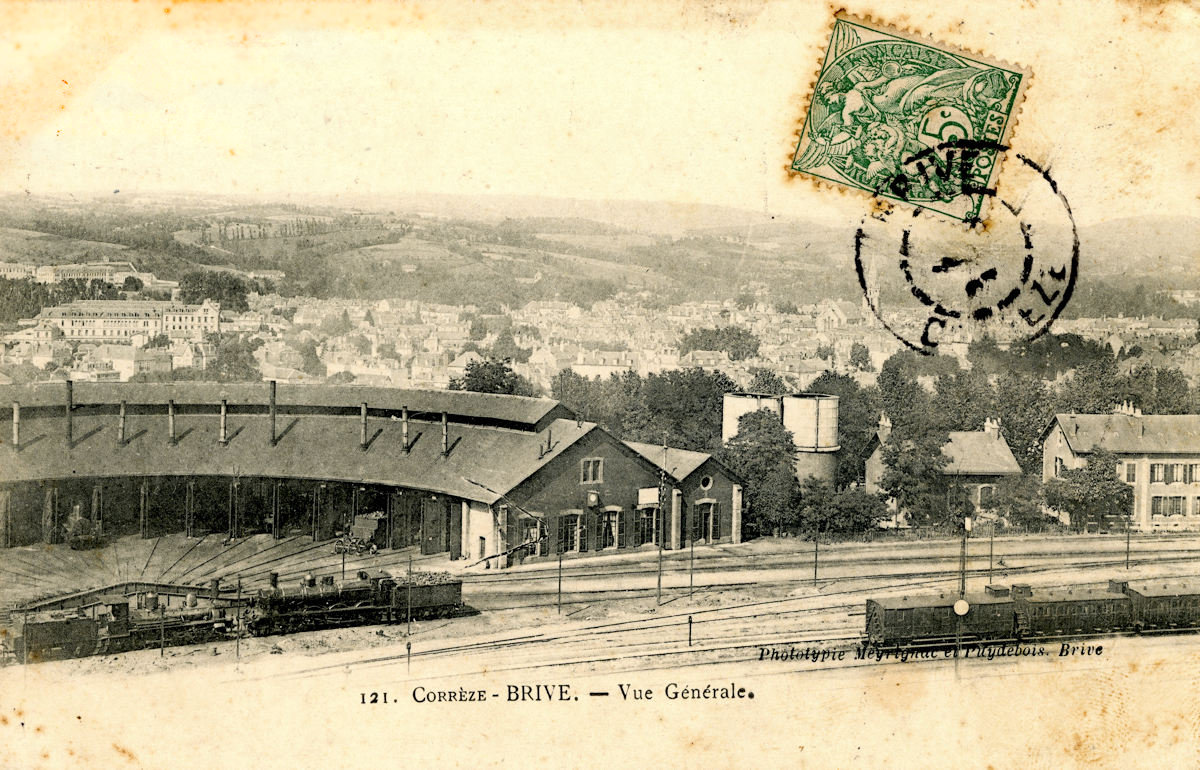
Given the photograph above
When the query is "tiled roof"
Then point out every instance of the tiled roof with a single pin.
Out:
(477, 406)
(979, 453)
(484, 462)
(679, 463)
(1131, 434)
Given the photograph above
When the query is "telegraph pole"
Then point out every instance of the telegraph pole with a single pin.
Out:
(409, 631)
(662, 515)
(961, 607)
(1127, 542)
(692, 560)
(816, 552)
(962, 559)
(560, 555)
(238, 625)
(991, 548)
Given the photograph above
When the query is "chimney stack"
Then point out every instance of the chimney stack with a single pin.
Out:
(404, 427)
(16, 428)
(224, 424)
(70, 405)
(445, 435)
(362, 426)
(121, 426)
(272, 409)
(171, 420)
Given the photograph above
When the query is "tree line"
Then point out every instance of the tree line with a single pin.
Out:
(25, 298)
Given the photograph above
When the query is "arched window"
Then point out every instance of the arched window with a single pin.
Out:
(532, 536)
(571, 534)
(647, 526)
(706, 520)
(610, 527)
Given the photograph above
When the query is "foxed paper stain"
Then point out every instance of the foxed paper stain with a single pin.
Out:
(464, 385)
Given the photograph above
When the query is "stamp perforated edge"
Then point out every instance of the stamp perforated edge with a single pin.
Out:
(915, 36)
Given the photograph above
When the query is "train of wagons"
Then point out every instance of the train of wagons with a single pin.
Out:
(999, 613)
(111, 623)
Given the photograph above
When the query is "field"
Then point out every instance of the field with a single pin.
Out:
(37, 248)
(614, 242)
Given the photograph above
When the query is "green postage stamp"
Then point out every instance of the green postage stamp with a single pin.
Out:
(909, 120)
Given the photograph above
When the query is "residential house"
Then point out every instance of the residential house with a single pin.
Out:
(977, 460)
(1158, 456)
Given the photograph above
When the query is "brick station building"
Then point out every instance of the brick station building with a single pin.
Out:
(500, 479)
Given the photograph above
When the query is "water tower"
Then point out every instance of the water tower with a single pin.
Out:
(812, 419)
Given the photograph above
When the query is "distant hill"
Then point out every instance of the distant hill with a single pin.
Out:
(534, 246)
(641, 216)
(1156, 250)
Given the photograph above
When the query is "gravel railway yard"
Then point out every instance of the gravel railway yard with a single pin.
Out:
(744, 598)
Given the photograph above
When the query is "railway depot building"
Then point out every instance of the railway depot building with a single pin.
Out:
(1159, 457)
(487, 478)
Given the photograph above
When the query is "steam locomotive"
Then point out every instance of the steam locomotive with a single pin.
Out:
(112, 623)
(109, 624)
(367, 600)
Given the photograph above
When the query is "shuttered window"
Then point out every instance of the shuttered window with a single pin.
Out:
(610, 528)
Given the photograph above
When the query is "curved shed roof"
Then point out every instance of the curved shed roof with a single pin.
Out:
(495, 442)
(487, 407)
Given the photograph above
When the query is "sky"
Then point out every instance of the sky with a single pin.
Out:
(635, 101)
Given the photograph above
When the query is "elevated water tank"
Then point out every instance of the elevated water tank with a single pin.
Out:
(813, 420)
(735, 405)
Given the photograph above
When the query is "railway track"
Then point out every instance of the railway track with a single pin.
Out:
(926, 577)
(744, 626)
(677, 562)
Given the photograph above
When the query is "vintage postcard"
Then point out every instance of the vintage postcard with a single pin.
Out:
(573, 384)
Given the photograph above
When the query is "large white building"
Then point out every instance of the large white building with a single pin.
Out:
(122, 320)
(1159, 457)
(16, 271)
(109, 272)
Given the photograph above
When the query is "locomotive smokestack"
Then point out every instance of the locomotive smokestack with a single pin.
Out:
(121, 425)
(362, 426)
(171, 420)
(404, 427)
(214, 587)
(224, 423)
(16, 430)
(272, 409)
(445, 435)
(70, 405)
